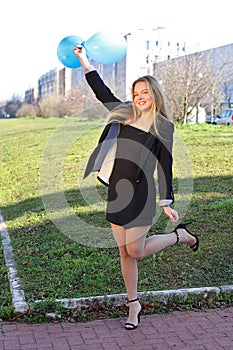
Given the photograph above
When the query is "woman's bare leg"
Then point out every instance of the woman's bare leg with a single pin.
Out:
(128, 264)
(138, 246)
(129, 271)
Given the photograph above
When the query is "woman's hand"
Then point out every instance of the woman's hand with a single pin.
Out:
(80, 53)
(171, 213)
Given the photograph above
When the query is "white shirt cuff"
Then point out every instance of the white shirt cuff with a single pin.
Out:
(165, 202)
(89, 69)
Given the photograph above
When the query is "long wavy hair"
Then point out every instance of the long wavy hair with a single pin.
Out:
(127, 112)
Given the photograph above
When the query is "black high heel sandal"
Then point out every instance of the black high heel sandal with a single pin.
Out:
(130, 326)
(195, 246)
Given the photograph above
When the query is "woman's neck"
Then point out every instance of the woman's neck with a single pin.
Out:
(147, 116)
(145, 121)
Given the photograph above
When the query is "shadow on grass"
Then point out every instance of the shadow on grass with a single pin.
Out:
(76, 246)
(80, 215)
(214, 187)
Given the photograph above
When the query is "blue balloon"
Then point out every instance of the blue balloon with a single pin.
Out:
(106, 47)
(65, 51)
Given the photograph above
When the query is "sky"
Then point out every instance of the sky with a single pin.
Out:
(30, 31)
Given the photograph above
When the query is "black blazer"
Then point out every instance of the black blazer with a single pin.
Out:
(159, 144)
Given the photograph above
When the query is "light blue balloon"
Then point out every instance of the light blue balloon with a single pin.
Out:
(65, 51)
(106, 47)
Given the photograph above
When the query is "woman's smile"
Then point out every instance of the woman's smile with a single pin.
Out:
(142, 97)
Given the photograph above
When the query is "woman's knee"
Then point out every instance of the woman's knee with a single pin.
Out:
(135, 241)
(135, 252)
(123, 252)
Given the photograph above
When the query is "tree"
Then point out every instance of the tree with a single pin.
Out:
(188, 82)
(27, 110)
(13, 106)
(61, 106)
(53, 106)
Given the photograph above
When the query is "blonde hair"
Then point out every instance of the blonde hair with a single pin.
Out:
(127, 113)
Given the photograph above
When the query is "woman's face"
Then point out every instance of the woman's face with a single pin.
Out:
(142, 97)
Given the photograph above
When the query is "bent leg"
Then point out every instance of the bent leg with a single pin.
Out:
(156, 243)
(138, 246)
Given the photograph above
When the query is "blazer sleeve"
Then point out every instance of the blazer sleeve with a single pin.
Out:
(102, 91)
(164, 167)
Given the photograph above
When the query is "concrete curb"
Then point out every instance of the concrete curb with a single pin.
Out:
(21, 305)
(18, 298)
(163, 295)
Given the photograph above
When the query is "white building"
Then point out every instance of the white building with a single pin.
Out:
(145, 48)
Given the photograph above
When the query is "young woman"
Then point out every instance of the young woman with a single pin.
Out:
(138, 138)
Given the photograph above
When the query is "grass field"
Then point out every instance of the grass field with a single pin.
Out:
(62, 244)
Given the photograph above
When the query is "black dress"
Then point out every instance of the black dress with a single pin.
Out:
(130, 203)
(132, 193)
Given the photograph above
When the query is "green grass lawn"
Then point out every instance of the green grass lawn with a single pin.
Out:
(62, 244)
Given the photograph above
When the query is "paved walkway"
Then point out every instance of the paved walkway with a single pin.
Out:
(190, 330)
